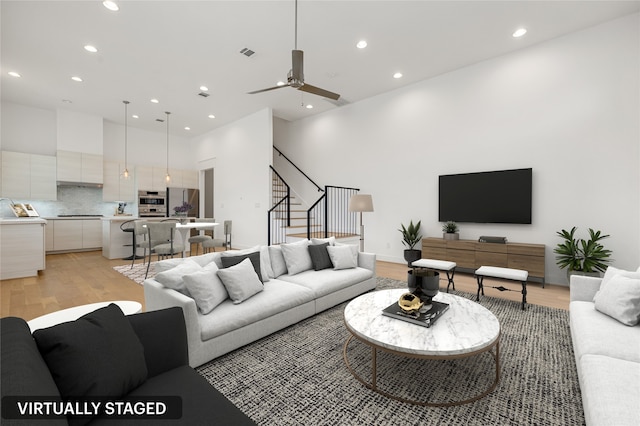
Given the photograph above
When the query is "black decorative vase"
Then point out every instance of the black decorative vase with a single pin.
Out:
(424, 283)
(412, 255)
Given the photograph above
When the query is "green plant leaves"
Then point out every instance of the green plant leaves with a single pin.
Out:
(582, 255)
(411, 234)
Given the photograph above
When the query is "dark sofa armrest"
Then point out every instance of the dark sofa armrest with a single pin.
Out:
(164, 337)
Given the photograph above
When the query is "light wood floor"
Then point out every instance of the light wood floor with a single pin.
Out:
(73, 279)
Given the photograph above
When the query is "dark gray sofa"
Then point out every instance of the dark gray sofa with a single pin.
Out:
(25, 373)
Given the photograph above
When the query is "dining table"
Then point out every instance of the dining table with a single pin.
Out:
(185, 231)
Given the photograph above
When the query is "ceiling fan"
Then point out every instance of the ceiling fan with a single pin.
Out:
(295, 77)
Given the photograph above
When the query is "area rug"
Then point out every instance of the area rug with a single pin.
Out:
(138, 271)
(298, 376)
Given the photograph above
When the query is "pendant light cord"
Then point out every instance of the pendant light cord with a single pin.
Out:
(126, 103)
(167, 112)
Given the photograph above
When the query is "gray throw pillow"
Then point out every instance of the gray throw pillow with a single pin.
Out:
(241, 281)
(254, 257)
(320, 256)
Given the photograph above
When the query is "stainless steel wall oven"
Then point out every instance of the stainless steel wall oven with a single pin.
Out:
(152, 203)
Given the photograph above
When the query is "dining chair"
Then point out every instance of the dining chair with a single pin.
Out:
(200, 238)
(219, 242)
(140, 241)
(161, 237)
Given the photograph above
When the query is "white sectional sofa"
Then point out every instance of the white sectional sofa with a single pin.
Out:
(285, 298)
(607, 346)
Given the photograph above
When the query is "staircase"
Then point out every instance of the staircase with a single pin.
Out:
(290, 220)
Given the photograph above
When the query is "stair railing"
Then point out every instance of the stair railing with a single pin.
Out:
(278, 216)
(330, 215)
(298, 169)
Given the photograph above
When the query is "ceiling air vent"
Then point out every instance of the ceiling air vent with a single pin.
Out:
(247, 52)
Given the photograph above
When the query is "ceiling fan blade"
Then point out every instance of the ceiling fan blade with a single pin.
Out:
(297, 65)
(318, 91)
(267, 89)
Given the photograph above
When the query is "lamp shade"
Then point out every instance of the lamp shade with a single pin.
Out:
(361, 203)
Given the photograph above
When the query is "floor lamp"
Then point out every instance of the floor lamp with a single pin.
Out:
(361, 203)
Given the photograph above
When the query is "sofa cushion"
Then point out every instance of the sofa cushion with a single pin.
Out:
(202, 260)
(328, 280)
(612, 272)
(278, 265)
(620, 299)
(241, 281)
(330, 240)
(234, 259)
(320, 256)
(610, 390)
(278, 296)
(598, 334)
(206, 288)
(172, 278)
(296, 256)
(98, 355)
(344, 256)
(265, 263)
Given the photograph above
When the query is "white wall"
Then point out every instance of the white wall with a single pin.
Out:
(568, 108)
(27, 129)
(240, 154)
(147, 148)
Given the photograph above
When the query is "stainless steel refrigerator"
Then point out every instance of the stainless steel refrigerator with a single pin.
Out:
(177, 196)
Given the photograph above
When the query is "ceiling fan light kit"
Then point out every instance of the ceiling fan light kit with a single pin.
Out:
(295, 77)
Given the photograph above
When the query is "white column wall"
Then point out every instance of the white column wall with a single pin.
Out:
(240, 153)
(568, 108)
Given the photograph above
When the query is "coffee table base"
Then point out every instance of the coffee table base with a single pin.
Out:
(374, 387)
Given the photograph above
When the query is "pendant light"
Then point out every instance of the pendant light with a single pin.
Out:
(167, 178)
(125, 172)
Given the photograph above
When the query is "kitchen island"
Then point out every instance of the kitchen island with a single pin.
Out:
(22, 247)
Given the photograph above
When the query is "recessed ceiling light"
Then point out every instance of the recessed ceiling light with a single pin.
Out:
(90, 48)
(111, 5)
(155, 101)
(520, 32)
(397, 75)
(361, 44)
(187, 128)
(204, 88)
(309, 106)
(212, 116)
(280, 83)
(135, 116)
(76, 78)
(14, 74)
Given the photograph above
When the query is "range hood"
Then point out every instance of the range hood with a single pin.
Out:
(79, 184)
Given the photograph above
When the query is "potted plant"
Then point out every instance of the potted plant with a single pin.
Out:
(410, 237)
(586, 257)
(450, 231)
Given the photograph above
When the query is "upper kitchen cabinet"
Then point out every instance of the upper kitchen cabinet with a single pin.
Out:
(28, 176)
(116, 187)
(79, 167)
(183, 178)
(151, 178)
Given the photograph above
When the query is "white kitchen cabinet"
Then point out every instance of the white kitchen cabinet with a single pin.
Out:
(76, 234)
(79, 167)
(67, 235)
(16, 171)
(91, 234)
(28, 176)
(190, 179)
(22, 247)
(151, 178)
(116, 187)
(43, 177)
(48, 235)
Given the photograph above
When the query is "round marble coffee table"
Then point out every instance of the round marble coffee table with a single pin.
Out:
(466, 329)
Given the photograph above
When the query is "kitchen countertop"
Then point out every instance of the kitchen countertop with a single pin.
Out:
(74, 218)
(21, 220)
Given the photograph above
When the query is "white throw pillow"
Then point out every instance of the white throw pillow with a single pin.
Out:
(620, 299)
(343, 256)
(172, 278)
(206, 288)
(330, 240)
(296, 256)
(241, 281)
(265, 264)
(612, 272)
(278, 265)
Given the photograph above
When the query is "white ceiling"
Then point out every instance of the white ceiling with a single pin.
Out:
(167, 50)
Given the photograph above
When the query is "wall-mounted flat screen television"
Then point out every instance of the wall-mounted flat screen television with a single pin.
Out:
(502, 196)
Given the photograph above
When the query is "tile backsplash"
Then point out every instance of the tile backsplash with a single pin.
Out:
(73, 200)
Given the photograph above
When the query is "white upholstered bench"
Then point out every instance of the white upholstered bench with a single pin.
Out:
(438, 265)
(517, 275)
